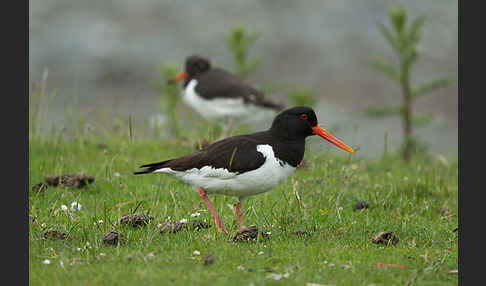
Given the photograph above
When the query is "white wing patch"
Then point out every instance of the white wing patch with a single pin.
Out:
(221, 181)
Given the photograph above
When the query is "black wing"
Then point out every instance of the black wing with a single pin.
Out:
(236, 154)
(222, 84)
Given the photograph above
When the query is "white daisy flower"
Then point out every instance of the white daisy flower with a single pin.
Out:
(75, 206)
(64, 207)
(46, 261)
(196, 214)
(196, 252)
(183, 220)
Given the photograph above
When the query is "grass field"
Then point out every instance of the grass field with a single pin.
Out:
(417, 202)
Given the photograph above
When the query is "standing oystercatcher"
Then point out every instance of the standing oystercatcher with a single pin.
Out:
(217, 93)
(247, 165)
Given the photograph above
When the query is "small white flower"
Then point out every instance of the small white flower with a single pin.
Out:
(116, 174)
(196, 214)
(260, 253)
(43, 225)
(196, 252)
(46, 261)
(75, 206)
(78, 249)
(183, 220)
(159, 225)
(277, 276)
(102, 254)
(61, 263)
(100, 221)
(240, 267)
(64, 207)
(150, 255)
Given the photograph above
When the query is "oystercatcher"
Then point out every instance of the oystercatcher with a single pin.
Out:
(216, 93)
(247, 165)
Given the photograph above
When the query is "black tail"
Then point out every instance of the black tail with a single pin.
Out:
(149, 168)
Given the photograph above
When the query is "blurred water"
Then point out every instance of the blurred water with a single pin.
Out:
(101, 55)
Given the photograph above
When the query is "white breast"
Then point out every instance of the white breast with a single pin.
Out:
(215, 108)
(221, 181)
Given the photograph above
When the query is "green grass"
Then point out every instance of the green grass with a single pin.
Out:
(338, 250)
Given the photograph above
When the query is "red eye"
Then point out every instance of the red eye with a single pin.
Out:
(303, 116)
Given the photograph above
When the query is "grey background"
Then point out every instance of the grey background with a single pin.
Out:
(101, 56)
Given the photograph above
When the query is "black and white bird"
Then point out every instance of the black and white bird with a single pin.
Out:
(247, 165)
(216, 93)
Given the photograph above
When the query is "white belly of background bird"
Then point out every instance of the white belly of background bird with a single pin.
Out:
(218, 107)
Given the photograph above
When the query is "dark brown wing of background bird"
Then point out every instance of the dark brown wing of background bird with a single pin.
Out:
(236, 154)
(218, 83)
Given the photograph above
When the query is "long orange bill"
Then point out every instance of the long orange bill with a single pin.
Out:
(326, 135)
(178, 77)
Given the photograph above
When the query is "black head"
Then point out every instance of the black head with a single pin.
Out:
(294, 123)
(196, 65)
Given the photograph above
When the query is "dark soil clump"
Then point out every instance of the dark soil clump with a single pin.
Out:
(53, 234)
(246, 234)
(361, 205)
(200, 224)
(113, 237)
(39, 187)
(172, 226)
(385, 237)
(70, 180)
(135, 220)
(209, 259)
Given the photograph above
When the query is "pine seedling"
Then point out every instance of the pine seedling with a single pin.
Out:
(239, 42)
(403, 38)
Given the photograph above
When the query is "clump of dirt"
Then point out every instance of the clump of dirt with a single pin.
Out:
(70, 180)
(113, 237)
(135, 220)
(200, 224)
(209, 259)
(361, 205)
(172, 226)
(300, 233)
(39, 187)
(246, 234)
(456, 229)
(385, 237)
(53, 234)
(266, 235)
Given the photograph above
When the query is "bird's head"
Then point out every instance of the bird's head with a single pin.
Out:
(298, 123)
(194, 66)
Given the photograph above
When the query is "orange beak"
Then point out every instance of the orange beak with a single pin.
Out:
(326, 135)
(178, 77)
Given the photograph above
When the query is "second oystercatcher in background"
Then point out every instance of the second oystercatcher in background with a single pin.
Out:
(216, 93)
(247, 165)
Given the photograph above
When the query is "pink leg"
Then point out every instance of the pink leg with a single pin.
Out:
(239, 214)
(217, 219)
